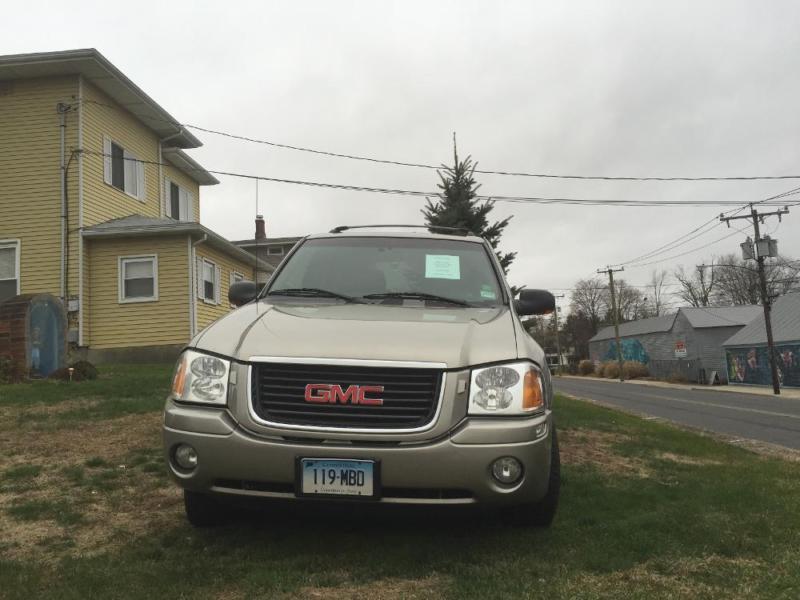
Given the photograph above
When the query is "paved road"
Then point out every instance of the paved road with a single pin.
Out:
(764, 418)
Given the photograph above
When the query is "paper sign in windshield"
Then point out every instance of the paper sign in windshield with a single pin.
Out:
(442, 266)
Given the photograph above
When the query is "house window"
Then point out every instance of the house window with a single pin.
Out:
(208, 281)
(122, 169)
(235, 278)
(138, 278)
(180, 202)
(9, 269)
(275, 250)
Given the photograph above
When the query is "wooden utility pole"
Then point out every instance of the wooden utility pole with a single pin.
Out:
(762, 246)
(614, 311)
(558, 341)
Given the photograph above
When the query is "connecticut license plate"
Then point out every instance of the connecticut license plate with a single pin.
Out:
(335, 477)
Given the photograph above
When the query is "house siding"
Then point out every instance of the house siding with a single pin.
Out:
(102, 201)
(122, 325)
(30, 179)
(207, 313)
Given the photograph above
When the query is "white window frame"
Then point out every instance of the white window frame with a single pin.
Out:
(17, 245)
(182, 192)
(217, 281)
(279, 250)
(129, 159)
(121, 278)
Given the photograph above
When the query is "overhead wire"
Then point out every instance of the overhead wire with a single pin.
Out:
(425, 194)
(421, 165)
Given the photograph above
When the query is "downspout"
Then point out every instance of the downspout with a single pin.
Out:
(193, 290)
(62, 109)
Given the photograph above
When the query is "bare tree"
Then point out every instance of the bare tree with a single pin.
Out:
(737, 280)
(696, 287)
(589, 297)
(656, 288)
(631, 302)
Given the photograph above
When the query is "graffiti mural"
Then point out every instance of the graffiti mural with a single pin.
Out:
(631, 350)
(751, 365)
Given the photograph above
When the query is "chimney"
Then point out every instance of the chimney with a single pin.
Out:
(261, 228)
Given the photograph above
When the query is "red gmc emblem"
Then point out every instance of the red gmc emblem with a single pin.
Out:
(327, 393)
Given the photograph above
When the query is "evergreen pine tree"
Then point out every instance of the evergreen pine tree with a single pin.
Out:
(457, 206)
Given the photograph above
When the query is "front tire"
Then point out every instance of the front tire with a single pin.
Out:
(542, 513)
(202, 510)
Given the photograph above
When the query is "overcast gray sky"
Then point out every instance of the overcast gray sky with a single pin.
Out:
(611, 88)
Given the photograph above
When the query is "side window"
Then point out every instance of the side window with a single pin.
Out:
(122, 169)
(9, 269)
(138, 278)
(208, 281)
(179, 202)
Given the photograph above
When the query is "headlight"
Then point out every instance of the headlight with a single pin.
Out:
(201, 378)
(510, 389)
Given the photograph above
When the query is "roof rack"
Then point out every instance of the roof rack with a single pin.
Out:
(431, 228)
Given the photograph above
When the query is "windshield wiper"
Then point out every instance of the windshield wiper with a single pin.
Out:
(417, 296)
(313, 293)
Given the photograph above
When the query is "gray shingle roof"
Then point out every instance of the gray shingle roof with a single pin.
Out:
(721, 316)
(785, 324)
(640, 327)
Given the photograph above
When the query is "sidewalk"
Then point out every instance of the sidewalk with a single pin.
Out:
(793, 393)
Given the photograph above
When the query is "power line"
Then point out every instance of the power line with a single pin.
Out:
(687, 252)
(419, 165)
(674, 244)
(425, 194)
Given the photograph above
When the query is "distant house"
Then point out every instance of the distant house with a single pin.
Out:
(269, 250)
(746, 351)
(100, 207)
(687, 343)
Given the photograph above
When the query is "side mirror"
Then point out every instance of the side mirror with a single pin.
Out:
(534, 302)
(242, 292)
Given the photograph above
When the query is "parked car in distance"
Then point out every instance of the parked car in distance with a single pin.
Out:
(378, 364)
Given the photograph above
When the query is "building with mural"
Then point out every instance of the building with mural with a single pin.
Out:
(688, 343)
(746, 351)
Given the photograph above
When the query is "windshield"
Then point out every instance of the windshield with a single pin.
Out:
(390, 270)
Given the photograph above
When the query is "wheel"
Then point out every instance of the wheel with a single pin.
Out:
(541, 513)
(202, 510)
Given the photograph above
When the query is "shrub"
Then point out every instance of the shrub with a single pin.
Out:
(586, 367)
(611, 370)
(82, 371)
(632, 369)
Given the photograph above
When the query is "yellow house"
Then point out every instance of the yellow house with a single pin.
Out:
(100, 206)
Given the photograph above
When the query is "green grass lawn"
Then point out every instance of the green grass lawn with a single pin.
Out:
(647, 511)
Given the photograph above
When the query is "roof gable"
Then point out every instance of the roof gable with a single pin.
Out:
(720, 316)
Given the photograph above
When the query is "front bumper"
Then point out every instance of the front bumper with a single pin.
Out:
(452, 469)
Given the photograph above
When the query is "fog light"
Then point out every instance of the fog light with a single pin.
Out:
(507, 470)
(186, 457)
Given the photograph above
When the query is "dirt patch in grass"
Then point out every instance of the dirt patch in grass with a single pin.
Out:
(596, 448)
(688, 460)
(102, 475)
(681, 578)
(433, 586)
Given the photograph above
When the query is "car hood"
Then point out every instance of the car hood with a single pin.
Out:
(457, 337)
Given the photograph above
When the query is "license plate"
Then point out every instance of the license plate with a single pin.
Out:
(337, 477)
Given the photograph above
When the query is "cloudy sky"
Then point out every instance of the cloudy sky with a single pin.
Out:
(630, 88)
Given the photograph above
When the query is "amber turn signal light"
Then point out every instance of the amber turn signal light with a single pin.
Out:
(532, 396)
(179, 381)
